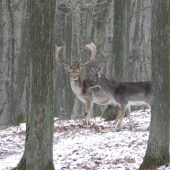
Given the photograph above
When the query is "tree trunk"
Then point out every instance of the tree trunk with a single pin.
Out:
(126, 39)
(64, 38)
(135, 46)
(141, 43)
(157, 152)
(87, 36)
(120, 47)
(1, 39)
(78, 107)
(22, 62)
(39, 134)
(100, 17)
(2, 103)
(120, 41)
(11, 62)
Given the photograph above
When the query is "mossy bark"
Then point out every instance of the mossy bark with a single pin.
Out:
(110, 113)
(20, 119)
(49, 165)
(151, 163)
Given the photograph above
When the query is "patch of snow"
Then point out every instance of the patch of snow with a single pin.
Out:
(99, 146)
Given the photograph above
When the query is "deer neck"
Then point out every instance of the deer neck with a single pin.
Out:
(76, 85)
(107, 87)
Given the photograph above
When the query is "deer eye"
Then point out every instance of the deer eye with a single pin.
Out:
(78, 72)
(94, 79)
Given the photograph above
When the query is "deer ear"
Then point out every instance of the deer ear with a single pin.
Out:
(82, 68)
(67, 68)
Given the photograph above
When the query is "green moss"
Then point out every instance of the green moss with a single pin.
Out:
(107, 109)
(110, 113)
(49, 166)
(22, 165)
(151, 163)
(20, 119)
(104, 114)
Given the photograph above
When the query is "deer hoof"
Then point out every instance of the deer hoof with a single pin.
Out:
(88, 123)
(119, 127)
(115, 123)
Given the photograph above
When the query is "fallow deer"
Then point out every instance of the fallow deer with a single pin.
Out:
(82, 88)
(124, 94)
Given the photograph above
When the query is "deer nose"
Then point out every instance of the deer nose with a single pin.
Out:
(74, 78)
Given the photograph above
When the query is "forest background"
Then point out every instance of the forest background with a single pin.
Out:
(77, 23)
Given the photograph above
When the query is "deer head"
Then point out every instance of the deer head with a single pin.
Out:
(99, 76)
(75, 71)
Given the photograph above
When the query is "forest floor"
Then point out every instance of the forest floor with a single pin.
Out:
(98, 147)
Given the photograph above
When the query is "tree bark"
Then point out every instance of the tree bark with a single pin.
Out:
(78, 107)
(64, 38)
(120, 41)
(135, 46)
(11, 61)
(127, 39)
(22, 62)
(157, 152)
(1, 54)
(39, 134)
(120, 47)
(1, 36)
(25, 53)
(87, 36)
(100, 17)
(141, 43)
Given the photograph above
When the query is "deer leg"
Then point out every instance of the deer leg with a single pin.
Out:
(87, 113)
(122, 115)
(128, 116)
(118, 114)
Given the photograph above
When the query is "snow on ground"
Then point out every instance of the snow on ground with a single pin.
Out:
(98, 147)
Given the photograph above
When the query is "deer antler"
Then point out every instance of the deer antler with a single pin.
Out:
(96, 65)
(57, 50)
(92, 48)
(104, 65)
